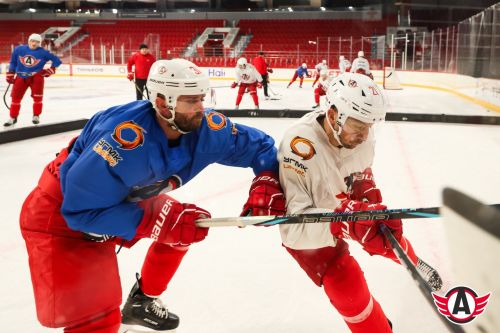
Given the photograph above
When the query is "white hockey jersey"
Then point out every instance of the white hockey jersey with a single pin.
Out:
(344, 65)
(312, 173)
(360, 63)
(320, 66)
(247, 75)
(323, 84)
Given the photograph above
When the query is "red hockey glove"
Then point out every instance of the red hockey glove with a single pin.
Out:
(170, 222)
(48, 72)
(366, 232)
(130, 76)
(361, 186)
(270, 70)
(234, 85)
(259, 84)
(265, 197)
(10, 77)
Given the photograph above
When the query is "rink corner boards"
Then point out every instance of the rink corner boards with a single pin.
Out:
(29, 132)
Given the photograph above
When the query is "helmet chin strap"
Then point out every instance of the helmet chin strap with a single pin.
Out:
(336, 134)
(171, 120)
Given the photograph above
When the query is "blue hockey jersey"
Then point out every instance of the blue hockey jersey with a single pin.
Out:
(301, 71)
(123, 156)
(26, 62)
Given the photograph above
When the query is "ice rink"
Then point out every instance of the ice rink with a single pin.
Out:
(242, 280)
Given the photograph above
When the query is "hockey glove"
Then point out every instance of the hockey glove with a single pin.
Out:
(265, 196)
(270, 70)
(10, 77)
(259, 85)
(130, 76)
(366, 232)
(361, 187)
(234, 85)
(170, 222)
(48, 72)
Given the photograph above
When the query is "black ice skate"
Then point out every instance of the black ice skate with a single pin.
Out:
(430, 275)
(142, 313)
(10, 122)
(315, 106)
(36, 120)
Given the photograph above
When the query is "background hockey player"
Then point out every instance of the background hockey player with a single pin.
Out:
(344, 65)
(325, 162)
(26, 69)
(322, 66)
(320, 90)
(361, 66)
(248, 79)
(261, 66)
(108, 186)
(300, 72)
(142, 61)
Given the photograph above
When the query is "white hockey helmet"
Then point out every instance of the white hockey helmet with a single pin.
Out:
(361, 54)
(35, 37)
(242, 62)
(341, 58)
(357, 96)
(323, 62)
(304, 65)
(173, 78)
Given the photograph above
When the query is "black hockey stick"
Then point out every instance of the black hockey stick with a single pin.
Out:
(374, 215)
(421, 283)
(4, 97)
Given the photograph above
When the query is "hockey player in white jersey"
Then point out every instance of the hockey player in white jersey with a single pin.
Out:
(344, 64)
(322, 66)
(248, 78)
(361, 65)
(320, 90)
(325, 165)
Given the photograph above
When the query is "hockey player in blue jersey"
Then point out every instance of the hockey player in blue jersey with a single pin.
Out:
(26, 69)
(108, 187)
(300, 72)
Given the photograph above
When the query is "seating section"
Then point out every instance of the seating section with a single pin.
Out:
(173, 35)
(15, 32)
(288, 43)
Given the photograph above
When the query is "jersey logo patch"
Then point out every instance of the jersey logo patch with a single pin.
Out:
(106, 151)
(128, 135)
(215, 120)
(302, 147)
(29, 61)
(352, 84)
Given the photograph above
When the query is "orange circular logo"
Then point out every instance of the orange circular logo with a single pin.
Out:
(125, 127)
(215, 120)
(302, 147)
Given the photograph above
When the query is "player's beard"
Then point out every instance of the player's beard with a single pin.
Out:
(351, 145)
(188, 122)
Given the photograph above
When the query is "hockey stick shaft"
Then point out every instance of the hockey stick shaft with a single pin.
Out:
(4, 97)
(374, 215)
(421, 283)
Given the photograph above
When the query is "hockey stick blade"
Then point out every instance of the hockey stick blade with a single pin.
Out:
(374, 215)
(421, 283)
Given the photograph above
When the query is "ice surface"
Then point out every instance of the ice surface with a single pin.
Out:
(242, 280)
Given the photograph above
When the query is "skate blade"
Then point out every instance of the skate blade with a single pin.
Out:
(141, 329)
